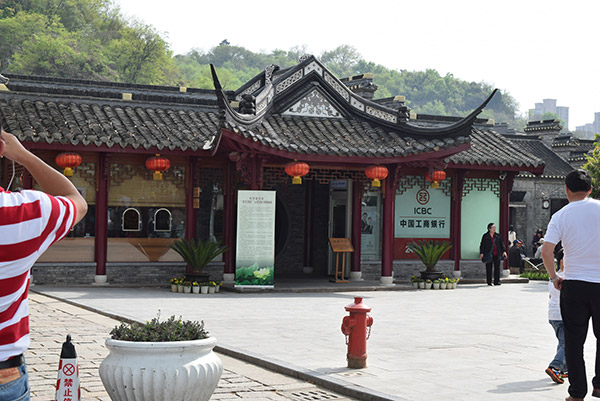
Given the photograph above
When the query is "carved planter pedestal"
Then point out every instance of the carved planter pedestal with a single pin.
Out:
(161, 371)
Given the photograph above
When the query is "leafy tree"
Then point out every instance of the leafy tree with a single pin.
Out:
(140, 55)
(592, 165)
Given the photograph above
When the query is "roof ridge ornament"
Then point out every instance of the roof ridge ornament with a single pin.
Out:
(269, 70)
(304, 57)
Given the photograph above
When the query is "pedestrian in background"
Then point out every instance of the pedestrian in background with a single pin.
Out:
(557, 369)
(577, 225)
(491, 249)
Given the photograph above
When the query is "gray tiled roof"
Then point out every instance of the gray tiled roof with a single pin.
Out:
(61, 111)
(75, 113)
(556, 166)
(492, 149)
(341, 137)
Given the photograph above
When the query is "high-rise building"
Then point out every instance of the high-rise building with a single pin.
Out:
(549, 106)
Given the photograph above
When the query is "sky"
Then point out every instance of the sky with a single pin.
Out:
(532, 49)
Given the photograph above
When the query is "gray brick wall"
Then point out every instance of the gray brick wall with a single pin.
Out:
(135, 274)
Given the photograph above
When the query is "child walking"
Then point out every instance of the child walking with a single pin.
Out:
(557, 370)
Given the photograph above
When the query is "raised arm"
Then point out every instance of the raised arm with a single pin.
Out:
(51, 181)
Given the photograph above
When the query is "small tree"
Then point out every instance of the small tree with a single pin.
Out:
(429, 252)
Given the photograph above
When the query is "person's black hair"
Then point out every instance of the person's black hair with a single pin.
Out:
(578, 181)
(511, 228)
(490, 226)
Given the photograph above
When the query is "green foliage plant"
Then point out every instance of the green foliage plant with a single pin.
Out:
(429, 251)
(172, 329)
(196, 253)
(592, 166)
(535, 275)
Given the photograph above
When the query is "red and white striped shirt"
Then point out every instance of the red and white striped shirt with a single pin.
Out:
(30, 221)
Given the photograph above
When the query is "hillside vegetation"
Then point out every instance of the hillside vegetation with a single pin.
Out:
(90, 39)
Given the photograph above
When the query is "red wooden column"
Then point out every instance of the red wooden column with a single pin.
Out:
(456, 217)
(308, 225)
(229, 224)
(355, 272)
(27, 179)
(190, 212)
(101, 236)
(387, 245)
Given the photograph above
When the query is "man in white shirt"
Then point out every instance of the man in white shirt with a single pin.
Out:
(577, 225)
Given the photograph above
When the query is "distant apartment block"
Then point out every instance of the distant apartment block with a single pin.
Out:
(590, 129)
(549, 106)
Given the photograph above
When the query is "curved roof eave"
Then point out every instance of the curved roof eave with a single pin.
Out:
(423, 156)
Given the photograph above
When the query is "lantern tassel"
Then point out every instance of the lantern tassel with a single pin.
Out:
(435, 184)
(157, 176)
(375, 183)
(68, 172)
(297, 180)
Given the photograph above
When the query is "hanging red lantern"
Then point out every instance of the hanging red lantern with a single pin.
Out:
(158, 164)
(436, 177)
(68, 161)
(297, 170)
(376, 173)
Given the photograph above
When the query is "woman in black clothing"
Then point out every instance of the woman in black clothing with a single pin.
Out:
(491, 249)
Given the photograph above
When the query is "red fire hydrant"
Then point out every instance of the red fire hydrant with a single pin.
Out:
(357, 328)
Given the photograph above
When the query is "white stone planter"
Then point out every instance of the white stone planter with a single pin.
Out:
(161, 371)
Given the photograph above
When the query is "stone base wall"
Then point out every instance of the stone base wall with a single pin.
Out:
(134, 274)
(403, 270)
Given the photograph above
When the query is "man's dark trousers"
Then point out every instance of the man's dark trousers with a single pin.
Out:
(488, 270)
(580, 300)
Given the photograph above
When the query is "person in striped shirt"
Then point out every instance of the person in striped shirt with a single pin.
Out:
(30, 221)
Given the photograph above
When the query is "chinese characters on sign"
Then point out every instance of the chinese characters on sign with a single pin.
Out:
(255, 246)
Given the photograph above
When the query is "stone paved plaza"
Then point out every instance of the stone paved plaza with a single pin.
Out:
(51, 320)
(472, 343)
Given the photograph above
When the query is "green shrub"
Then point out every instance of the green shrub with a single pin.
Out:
(535, 275)
(172, 329)
(429, 252)
(198, 254)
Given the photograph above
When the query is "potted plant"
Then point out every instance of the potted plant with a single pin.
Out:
(195, 287)
(197, 254)
(187, 287)
(161, 361)
(212, 287)
(436, 284)
(428, 284)
(415, 281)
(204, 288)
(430, 253)
(174, 282)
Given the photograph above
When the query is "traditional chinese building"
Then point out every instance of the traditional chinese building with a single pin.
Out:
(160, 163)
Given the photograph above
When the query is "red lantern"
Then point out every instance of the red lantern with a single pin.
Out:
(376, 173)
(297, 170)
(436, 177)
(68, 161)
(158, 164)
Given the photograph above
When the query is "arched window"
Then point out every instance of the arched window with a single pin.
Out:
(162, 220)
(131, 220)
